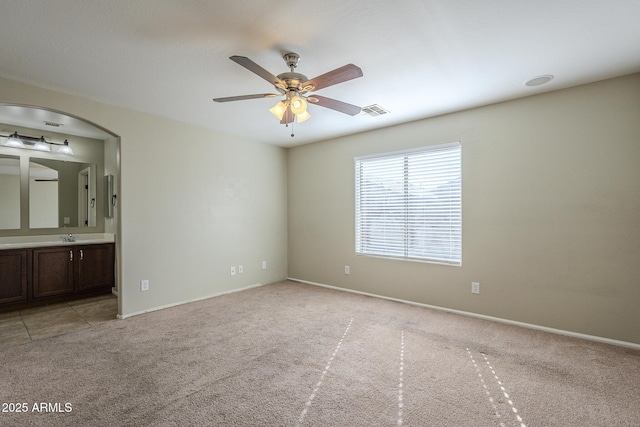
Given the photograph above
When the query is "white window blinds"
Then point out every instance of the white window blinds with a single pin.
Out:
(408, 204)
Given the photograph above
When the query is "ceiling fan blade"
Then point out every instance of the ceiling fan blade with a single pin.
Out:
(334, 104)
(256, 69)
(336, 76)
(287, 117)
(241, 97)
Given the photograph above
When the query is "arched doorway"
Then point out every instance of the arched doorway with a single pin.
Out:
(37, 120)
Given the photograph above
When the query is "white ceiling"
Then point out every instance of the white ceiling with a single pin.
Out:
(420, 58)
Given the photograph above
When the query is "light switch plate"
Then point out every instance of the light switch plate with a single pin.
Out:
(475, 287)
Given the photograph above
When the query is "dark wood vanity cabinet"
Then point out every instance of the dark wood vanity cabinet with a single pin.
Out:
(14, 275)
(45, 272)
(52, 271)
(95, 266)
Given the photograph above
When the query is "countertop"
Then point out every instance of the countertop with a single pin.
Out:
(19, 242)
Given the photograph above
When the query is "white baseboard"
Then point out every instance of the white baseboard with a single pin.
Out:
(482, 316)
(162, 307)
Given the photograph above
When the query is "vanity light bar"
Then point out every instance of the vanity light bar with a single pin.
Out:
(18, 141)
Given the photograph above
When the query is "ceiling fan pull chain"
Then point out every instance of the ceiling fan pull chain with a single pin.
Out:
(291, 129)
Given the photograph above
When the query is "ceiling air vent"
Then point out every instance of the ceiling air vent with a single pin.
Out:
(54, 124)
(374, 110)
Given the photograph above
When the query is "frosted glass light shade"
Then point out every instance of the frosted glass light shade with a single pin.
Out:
(298, 105)
(303, 116)
(42, 146)
(278, 110)
(14, 141)
(65, 149)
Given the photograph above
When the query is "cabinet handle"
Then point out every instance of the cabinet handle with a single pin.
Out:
(81, 255)
(70, 255)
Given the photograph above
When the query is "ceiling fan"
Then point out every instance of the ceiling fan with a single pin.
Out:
(294, 87)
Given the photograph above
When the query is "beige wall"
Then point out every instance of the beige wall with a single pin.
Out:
(551, 223)
(193, 202)
(551, 212)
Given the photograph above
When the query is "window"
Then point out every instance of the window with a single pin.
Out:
(408, 204)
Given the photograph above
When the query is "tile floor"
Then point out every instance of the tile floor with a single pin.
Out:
(30, 324)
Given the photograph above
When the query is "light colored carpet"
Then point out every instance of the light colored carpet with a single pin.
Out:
(289, 354)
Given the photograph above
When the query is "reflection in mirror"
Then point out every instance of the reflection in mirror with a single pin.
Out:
(43, 196)
(61, 194)
(9, 192)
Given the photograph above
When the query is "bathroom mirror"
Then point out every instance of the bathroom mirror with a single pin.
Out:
(95, 155)
(9, 192)
(61, 194)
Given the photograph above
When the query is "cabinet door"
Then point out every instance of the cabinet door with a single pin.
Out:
(13, 275)
(52, 271)
(95, 265)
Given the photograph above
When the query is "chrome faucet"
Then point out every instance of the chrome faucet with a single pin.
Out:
(69, 238)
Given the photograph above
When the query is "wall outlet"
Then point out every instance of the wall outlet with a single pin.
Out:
(347, 269)
(240, 269)
(144, 285)
(264, 265)
(233, 271)
(475, 287)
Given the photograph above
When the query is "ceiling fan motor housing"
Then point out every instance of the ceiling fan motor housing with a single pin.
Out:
(292, 81)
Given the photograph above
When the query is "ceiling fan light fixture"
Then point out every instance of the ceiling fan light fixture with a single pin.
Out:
(293, 87)
(278, 110)
(303, 116)
(298, 105)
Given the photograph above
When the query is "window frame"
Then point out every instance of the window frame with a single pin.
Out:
(408, 254)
